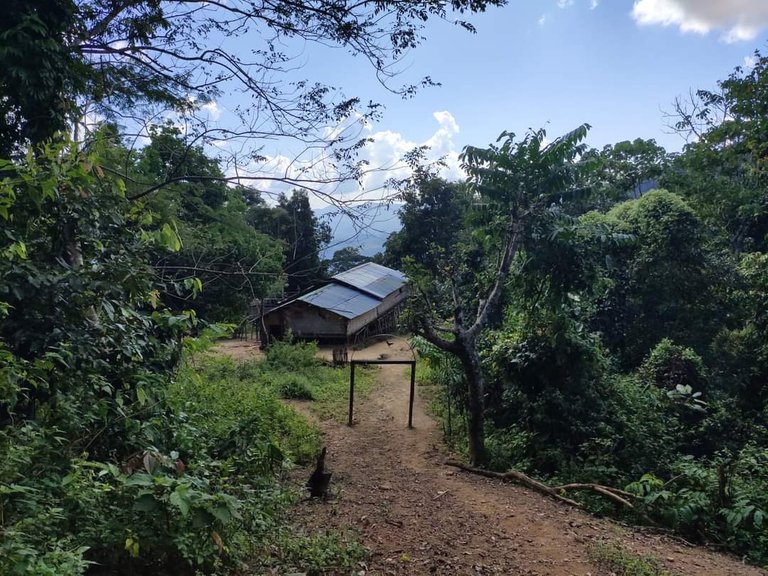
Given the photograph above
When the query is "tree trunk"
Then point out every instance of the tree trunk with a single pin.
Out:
(473, 370)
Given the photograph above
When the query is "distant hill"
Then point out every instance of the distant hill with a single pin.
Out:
(371, 227)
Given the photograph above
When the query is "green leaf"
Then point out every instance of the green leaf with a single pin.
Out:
(222, 513)
(139, 479)
(180, 501)
(170, 238)
(145, 503)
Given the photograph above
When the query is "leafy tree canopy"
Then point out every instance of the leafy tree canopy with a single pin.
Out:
(723, 168)
(59, 58)
(345, 259)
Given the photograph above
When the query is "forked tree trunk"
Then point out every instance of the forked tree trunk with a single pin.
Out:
(473, 371)
(464, 343)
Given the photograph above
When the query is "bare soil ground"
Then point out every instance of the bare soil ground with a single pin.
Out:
(418, 516)
(239, 349)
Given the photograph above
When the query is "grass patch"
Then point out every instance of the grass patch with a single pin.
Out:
(321, 554)
(444, 409)
(295, 373)
(331, 398)
(622, 562)
(223, 397)
(250, 434)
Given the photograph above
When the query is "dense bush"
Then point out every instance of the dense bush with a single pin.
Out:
(670, 366)
(724, 499)
(116, 455)
(671, 389)
(663, 284)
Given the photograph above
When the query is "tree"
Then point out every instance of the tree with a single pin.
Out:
(512, 184)
(37, 80)
(303, 236)
(626, 170)
(126, 58)
(722, 170)
(432, 217)
(345, 259)
(84, 336)
(231, 261)
(661, 284)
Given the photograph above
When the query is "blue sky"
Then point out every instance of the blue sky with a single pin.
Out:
(615, 64)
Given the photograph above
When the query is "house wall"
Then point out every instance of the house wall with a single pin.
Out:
(306, 321)
(390, 302)
(358, 323)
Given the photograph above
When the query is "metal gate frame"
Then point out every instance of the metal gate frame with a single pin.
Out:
(354, 363)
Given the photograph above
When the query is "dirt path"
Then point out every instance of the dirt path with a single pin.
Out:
(420, 517)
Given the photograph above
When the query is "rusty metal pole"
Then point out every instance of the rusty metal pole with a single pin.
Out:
(351, 391)
(413, 392)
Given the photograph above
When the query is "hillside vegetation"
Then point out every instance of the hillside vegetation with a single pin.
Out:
(599, 316)
(589, 316)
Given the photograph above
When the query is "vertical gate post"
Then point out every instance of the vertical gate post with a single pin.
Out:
(351, 391)
(413, 392)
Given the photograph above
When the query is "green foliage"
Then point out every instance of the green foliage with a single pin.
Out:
(723, 499)
(85, 345)
(303, 237)
(624, 169)
(627, 344)
(295, 387)
(622, 562)
(231, 262)
(431, 217)
(722, 171)
(287, 356)
(443, 381)
(202, 496)
(237, 405)
(672, 367)
(39, 71)
(346, 259)
(547, 384)
(113, 451)
(294, 371)
(662, 284)
(317, 554)
(742, 349)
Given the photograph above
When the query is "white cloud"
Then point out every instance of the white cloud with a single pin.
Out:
(750, 61)
(388, 148)
(738, 20)
(543, 19)
(212, 110)
(384, 155)
(593, 4)
(564, 3)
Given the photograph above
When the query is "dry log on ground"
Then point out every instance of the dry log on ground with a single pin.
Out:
(556, 492)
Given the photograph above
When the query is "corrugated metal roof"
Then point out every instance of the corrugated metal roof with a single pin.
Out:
(375, 279)
(341, 300)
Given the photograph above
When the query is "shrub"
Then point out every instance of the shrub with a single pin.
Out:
(283, 355)
(670, 366)
(724, 499)
(295, 387)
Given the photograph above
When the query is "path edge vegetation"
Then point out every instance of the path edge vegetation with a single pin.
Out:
(601, 332)
(628, 344)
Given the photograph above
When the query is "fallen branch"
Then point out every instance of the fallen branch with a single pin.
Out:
(618, 496)
(556, 492)
(520, 478)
